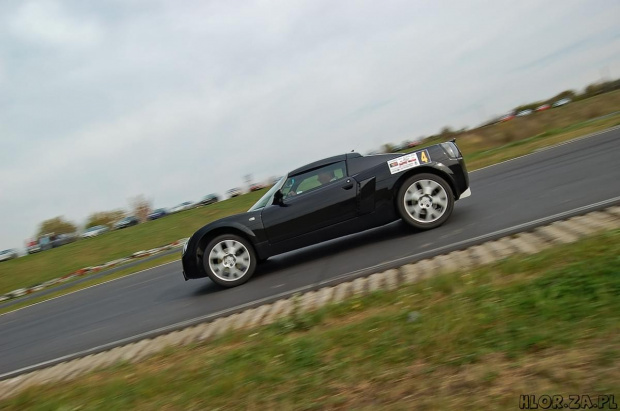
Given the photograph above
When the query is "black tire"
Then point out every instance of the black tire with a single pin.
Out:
(222, 271)
(430, 210)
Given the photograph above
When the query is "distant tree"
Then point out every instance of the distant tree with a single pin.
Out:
(529, 106)
(56, 225)
(446, 132)
(140, 206)
(598, 88)
(104, 218)
(593, 89)
(387, 148)
(565, 94)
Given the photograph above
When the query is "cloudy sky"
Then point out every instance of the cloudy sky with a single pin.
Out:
(102, 101)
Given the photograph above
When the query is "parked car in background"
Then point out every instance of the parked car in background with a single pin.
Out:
(543, 107)
(52, 240)
(159, 213)
(126, 222)
(523, 113)
(182, 207)
(234, 192)
(63, 239)
(209, 199)
(507, 117)
(562, 102)
(413, 144)
(256, 187)
(95, 231)
(48, 241)
(8, 254)
(32, 246)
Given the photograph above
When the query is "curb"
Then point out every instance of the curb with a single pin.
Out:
(90, 270)
(524, 243)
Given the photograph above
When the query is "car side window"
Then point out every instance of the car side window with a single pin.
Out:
(313, 179)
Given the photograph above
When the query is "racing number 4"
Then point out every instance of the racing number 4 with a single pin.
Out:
(424, 157)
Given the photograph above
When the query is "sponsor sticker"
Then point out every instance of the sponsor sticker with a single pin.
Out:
(408, 161)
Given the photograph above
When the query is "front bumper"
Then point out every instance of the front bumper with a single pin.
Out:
(465, 193)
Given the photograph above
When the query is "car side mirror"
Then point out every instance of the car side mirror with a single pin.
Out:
(278, 198)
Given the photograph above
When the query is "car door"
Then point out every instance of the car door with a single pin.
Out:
(312, 209)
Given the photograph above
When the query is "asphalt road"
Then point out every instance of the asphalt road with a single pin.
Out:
(517, 192)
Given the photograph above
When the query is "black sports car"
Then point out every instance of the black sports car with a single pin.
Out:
(326, 199)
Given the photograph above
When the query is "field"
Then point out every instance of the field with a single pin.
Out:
(481, 147)
(39, 267)
(543, 324)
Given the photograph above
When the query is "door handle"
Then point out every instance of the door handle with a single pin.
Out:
(348, 186)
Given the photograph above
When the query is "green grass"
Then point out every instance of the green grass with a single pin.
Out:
(548, 323)
(487, 156)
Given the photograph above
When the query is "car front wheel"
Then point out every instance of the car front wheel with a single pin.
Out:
(229, 260)
(425, 201)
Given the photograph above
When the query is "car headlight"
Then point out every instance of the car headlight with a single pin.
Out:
(185, 247)
(451, 149)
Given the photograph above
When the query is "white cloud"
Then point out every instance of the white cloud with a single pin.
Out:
(48, 23)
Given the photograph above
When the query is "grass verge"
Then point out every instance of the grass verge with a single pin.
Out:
(542, 324)
(476, 159)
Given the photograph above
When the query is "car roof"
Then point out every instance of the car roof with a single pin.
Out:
(323, 162)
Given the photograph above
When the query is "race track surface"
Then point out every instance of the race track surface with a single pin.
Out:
(517, 192)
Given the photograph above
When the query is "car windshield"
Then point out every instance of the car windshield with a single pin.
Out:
(268, 197)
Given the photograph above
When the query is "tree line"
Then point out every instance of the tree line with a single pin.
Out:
(140, 207)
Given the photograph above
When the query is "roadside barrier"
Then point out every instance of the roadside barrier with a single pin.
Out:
(89, 270)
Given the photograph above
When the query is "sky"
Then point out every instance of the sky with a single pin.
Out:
(173, 100)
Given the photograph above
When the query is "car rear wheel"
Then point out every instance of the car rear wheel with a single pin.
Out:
(425, 201)
(229, 260)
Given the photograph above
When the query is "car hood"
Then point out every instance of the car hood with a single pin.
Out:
(234, 219)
